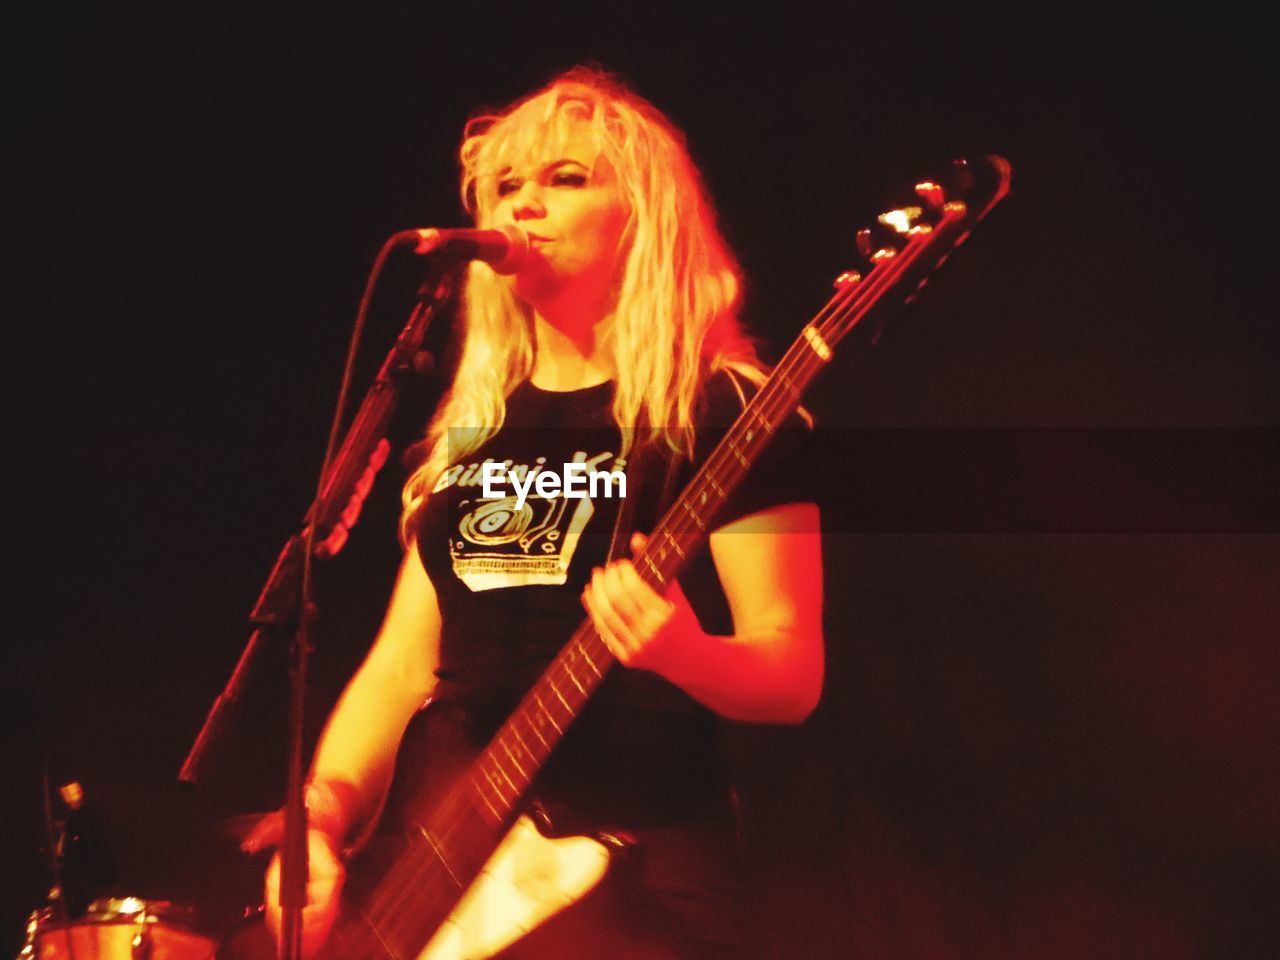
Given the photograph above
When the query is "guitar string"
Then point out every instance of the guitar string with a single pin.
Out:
(801, 359)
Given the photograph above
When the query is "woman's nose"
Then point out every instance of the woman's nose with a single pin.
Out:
(527, 204)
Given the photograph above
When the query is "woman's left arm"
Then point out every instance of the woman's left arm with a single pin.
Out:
(770, 668)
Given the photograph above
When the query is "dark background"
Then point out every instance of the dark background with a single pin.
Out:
(1047, 736)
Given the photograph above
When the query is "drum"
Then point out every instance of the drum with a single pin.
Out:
(119, 928)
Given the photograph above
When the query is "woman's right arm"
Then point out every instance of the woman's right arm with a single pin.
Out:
(356, 754)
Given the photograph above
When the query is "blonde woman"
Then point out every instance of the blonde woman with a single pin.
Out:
(618, 332)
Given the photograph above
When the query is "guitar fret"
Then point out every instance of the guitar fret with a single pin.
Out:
(514, 760)
(574, 678)
(546, 714)
(693, 514)
(497, 786)
(533, 726)
(497, 815)
(764, 423)
(654, 570)
(586, 656)
(524, 744)
(560, 696)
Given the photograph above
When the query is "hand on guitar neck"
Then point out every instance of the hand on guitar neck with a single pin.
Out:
(641, 627)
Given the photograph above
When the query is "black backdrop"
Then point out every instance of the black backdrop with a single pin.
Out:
(1046, 733)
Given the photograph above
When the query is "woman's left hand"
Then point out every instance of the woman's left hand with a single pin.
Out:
(640, 627)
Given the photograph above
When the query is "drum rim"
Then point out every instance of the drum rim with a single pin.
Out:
(126, 910)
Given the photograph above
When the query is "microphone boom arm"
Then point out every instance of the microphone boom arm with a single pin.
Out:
(363, 451)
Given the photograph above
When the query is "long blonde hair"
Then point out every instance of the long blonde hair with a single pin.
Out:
(678, 289)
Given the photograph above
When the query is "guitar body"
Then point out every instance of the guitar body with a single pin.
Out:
(413, 878)
(528, 880)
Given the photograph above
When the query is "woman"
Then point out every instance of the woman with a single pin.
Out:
(618, 333)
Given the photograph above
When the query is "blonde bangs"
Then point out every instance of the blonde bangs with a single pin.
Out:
(538, 128)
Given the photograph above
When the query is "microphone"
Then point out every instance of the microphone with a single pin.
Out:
(503, 249)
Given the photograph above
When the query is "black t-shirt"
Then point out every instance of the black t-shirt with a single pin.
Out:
(509, 575)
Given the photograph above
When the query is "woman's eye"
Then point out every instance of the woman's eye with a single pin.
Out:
(569, 178)
(507, 187)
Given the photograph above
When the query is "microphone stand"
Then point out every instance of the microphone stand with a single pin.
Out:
(285, 601)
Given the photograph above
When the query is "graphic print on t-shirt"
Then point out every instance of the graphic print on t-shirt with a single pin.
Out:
(495, 544)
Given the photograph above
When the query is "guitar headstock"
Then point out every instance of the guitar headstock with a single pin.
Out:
(906, 244)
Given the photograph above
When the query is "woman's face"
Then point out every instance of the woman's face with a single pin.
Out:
(569, 203)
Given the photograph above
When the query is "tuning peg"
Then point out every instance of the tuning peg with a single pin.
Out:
(868, 249)
(847, 279)
(902, 220)
(864, 243)
(932, 194)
